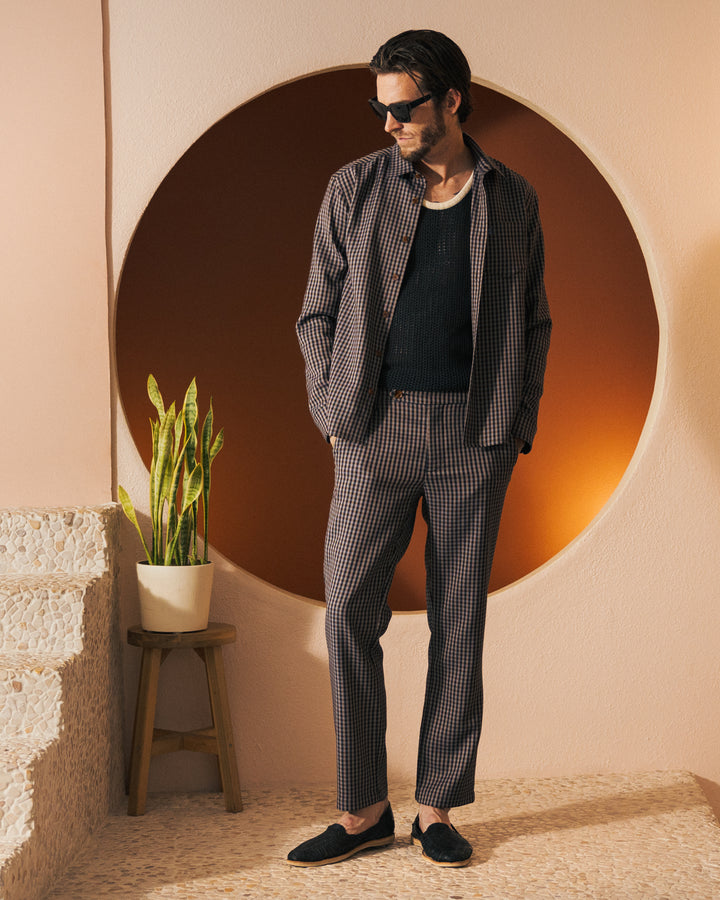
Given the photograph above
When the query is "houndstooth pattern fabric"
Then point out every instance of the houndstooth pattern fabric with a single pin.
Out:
(414, 449)
(364, 232)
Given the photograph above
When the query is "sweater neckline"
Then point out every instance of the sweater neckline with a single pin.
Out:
(453, 201)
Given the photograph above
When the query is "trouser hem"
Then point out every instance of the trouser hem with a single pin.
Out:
(362, 801)
(444, 802)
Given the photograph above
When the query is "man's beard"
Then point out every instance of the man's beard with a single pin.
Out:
(429, 136)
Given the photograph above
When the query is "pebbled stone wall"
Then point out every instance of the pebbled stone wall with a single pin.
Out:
(61, 765)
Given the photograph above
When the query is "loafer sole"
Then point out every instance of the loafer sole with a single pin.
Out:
(378, 842)
(447, 865)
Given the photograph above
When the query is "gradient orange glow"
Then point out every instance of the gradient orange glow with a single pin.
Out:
(213, 282)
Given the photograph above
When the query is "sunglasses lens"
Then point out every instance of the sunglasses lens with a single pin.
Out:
(400, 112)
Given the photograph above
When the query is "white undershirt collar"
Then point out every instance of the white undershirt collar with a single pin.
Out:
(446, 204)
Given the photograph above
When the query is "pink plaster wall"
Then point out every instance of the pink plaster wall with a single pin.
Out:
(626, 673)
(54, 354)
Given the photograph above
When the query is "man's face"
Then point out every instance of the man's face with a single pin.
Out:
(427, 127)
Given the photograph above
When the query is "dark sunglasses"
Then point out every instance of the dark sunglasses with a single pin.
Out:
(401, 112)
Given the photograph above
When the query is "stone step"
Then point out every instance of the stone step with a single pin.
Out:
(60, 688)
(31, 695)
(42, 613)
(55, 790)
(10, 858)
(72, 540)
(17, 760)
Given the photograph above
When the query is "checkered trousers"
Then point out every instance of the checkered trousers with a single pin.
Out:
(415, 449)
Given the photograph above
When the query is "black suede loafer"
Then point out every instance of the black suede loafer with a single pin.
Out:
(335, 844)
(442, 844)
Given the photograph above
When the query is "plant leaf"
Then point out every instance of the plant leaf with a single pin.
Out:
(172, 492)
(155, 396)
(192, 488)
(208, 455)
(163, 454)
(156, 537)
(162, 476)
(179, 424)
(190, 411)
(190, 407)
(205, 458)
(172, 527)
(129, 511)
(191, 491)
(185, 528)
(217, 444)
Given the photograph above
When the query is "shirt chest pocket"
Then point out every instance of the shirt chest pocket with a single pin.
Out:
(506, 251)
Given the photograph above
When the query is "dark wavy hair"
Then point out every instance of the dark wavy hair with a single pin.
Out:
(432, 60)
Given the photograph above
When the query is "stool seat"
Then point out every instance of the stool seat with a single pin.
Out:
(149, 741)
(216, 634)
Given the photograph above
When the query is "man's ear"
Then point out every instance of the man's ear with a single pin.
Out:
(452, 100)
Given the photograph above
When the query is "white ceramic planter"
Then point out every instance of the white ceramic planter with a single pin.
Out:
(174, 598)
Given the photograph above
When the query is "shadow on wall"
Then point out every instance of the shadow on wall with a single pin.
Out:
(213, 282)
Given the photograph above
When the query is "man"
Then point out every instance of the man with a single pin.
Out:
(425, 330)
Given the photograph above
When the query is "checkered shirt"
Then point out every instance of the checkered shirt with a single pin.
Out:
(362, 242)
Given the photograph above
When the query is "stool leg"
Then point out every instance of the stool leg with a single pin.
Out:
(143, 730)
(223, 728)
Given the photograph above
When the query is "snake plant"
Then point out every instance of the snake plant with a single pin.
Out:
(179, 483)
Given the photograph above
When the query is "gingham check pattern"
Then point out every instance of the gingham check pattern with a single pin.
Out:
(415, 449)
(361, 247)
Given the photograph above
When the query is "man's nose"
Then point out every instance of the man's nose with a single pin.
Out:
(391, 123)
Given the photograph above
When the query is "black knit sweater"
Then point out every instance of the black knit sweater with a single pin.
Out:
(429, 345)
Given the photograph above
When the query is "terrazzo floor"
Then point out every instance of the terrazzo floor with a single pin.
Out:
(640, 837)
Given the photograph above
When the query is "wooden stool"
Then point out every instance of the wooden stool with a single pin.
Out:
(149, 741)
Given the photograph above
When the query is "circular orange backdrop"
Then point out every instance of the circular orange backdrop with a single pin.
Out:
(213, 283)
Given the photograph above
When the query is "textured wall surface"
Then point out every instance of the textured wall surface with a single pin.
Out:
(54, 356)
(61, 764)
